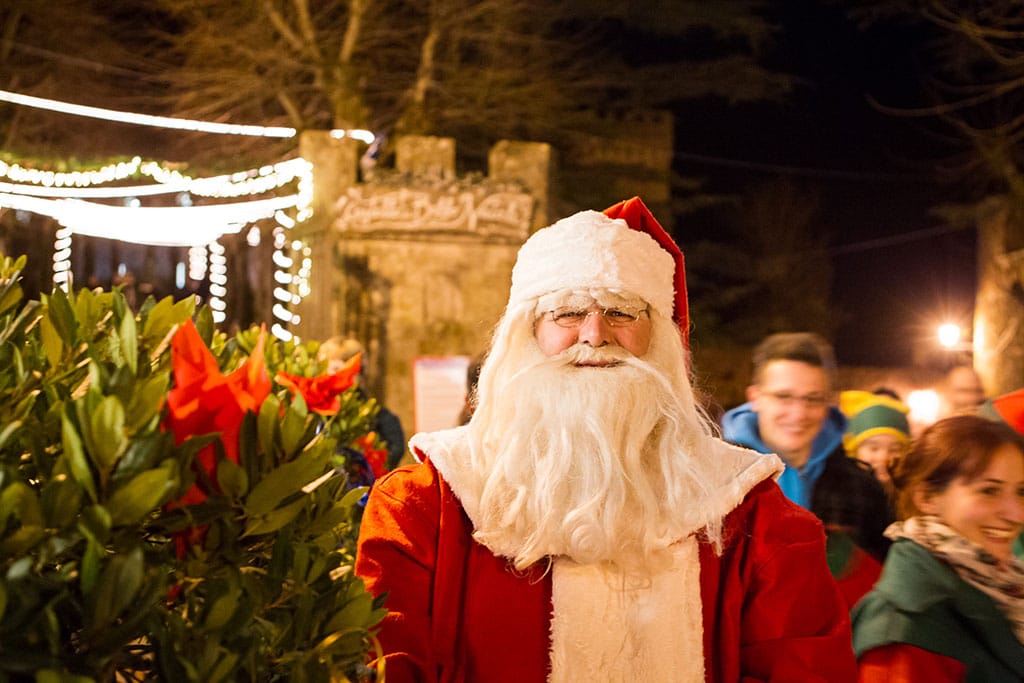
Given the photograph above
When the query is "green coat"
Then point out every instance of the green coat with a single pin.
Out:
(921, 601)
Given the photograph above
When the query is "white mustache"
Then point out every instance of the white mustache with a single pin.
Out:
(581, 353)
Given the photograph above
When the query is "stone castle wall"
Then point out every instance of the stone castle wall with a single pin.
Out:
(416, 261)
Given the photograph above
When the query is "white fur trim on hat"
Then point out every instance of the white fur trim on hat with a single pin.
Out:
(588, 250)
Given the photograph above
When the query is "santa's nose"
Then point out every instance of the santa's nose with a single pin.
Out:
(594, 331)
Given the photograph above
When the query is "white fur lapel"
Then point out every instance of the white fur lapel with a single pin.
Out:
(731, 470)
(604, 629)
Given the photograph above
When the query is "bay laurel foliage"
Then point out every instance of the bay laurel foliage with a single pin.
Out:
(104, 574)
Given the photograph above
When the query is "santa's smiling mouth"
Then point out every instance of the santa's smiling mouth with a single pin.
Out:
(598, 363)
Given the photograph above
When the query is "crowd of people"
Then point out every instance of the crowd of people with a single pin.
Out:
(591, 522)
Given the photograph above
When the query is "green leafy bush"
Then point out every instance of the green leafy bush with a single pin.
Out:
(128, 553)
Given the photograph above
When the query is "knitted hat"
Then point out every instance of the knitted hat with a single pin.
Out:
(868, 414)
(1008, 408)
(623, 249)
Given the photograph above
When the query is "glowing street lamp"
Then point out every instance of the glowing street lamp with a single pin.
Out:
(949, 335)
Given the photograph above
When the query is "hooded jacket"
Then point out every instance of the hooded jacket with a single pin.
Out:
(842, 492)
(739, 426)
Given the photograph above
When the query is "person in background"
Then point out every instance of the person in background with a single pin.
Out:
(337, 351)
(950, 604)
(1008, 408)
(791, 412)
(472, 378)
(586, 524)
(877, 431)
(962, 392)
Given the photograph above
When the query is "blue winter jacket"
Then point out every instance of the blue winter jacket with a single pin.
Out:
(739, 426)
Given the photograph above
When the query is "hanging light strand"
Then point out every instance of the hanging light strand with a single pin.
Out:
(168, 121)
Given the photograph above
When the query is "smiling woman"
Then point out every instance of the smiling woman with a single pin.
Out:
(949, 601)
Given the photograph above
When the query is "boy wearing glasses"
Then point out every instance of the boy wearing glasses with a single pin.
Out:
(586, 524)
(791, 412)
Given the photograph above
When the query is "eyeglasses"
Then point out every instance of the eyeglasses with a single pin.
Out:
(786, 399)
(620, 316)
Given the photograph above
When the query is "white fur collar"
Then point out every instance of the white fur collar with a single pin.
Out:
(733, 470)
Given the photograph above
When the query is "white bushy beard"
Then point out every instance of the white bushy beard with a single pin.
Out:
(596, 464)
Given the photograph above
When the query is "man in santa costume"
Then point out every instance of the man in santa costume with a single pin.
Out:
(587, 525)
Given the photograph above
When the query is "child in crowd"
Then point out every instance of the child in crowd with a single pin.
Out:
(950, 603)
(877, 431)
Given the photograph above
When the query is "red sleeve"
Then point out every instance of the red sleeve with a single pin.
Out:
(794, 624)
(901, 663)
(396, 555)
(859, 577)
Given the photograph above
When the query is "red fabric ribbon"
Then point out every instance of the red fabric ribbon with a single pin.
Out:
(204, 401)
(323, 392)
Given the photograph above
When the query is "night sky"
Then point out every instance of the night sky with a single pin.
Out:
(897, 269)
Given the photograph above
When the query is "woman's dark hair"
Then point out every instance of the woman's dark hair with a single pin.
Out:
(960, 446)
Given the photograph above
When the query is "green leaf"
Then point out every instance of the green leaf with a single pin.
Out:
(355, 613)
(129, 342)
(273, 521)
(205, 325)
(144, 452)
(30, 313)
(221, 611)
(232, 479)
(10, 295)
(22, 540)
(62, 316)
(8, 431)
(353, 496)
(75, 456)
(61, 499)
(329, 520)
(116, 588)
(293, 428)
(107, 431)
(267, 423)
(286, 480)
(159, 319)
(120, 304)
(146, 401)
(94, 523)
(225, 665)
(141, 495)
(52, 344)
(91, 565)
(86, 307)
(20, 501)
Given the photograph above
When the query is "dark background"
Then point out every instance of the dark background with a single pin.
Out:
(898, 270)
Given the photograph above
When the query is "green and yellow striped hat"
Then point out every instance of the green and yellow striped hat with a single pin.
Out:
(868, 414)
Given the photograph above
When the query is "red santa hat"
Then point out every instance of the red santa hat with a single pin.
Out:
(623, 249)
(1008, 408)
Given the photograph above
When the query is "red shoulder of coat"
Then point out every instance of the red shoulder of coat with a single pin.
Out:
(767, 515)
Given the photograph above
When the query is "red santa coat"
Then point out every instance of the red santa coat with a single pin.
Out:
(457, 612)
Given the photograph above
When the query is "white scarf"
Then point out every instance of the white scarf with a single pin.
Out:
(1001, 581)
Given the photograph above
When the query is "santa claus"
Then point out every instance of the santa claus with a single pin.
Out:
(587, 524)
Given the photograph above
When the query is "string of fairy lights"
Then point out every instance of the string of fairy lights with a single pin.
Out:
(67, 197)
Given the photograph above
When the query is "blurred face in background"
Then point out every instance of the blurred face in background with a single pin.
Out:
(987, 510)
(880, 451)
(963, 389)
(791, 400)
